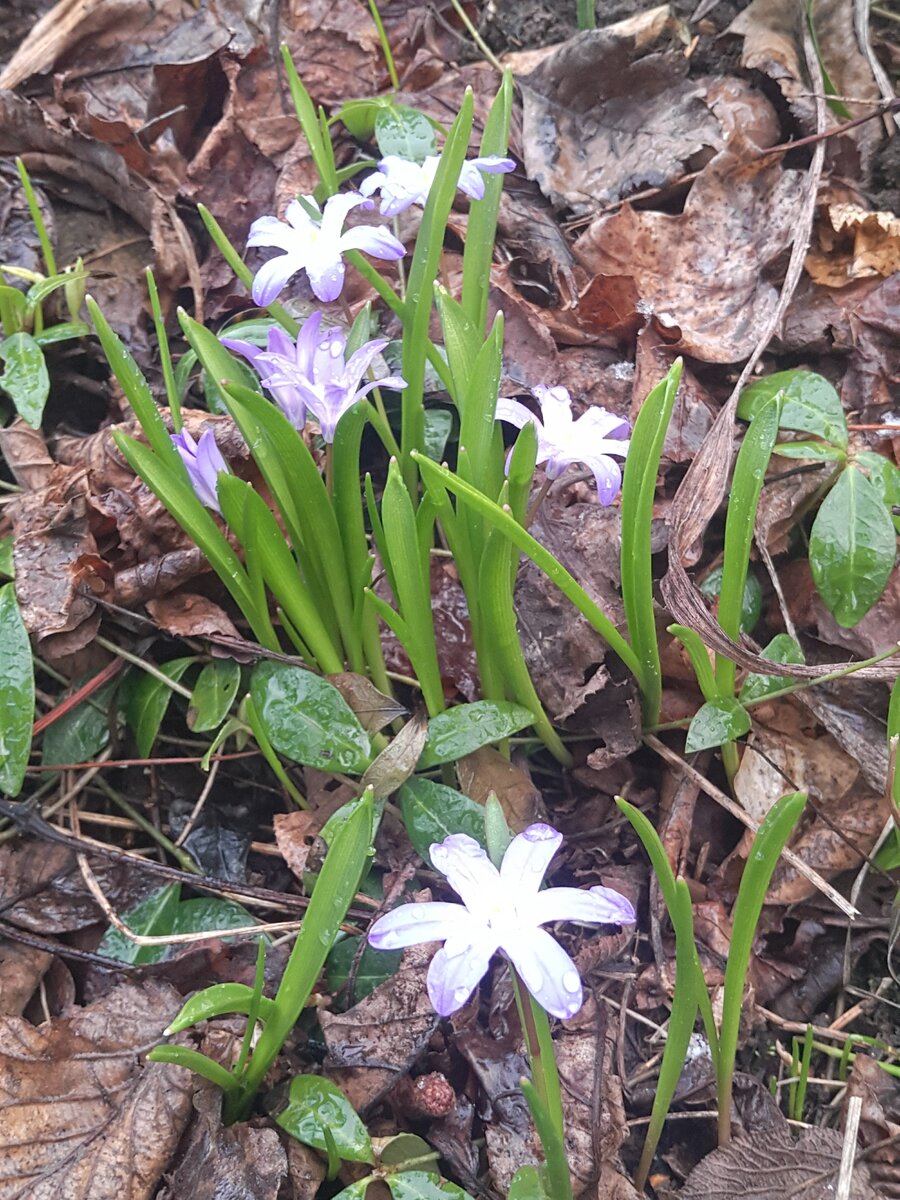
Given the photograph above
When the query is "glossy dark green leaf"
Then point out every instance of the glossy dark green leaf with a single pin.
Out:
(718, 721)
(468, 727)
(402, 1148)
(355, 1191)
(25, 378)
(213, 694)
(852, 547)
(81, 733)
(885, 478)
(432, 811)
(782, 648)
(166, 913)
(308, 720)
(751, 604)
(422, 1185)
(145, 700)
(404, 132)
(16, 694)
(358, 116)
(153, 916)
(813, 451)
(375, 967)
(316, 1104)
(811, 405)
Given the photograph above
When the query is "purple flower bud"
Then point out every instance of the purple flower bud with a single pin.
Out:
(204, 462)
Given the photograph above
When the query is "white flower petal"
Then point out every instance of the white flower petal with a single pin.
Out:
(527, 858)
(599, 906)
(452, 977)
(469, 871)
(413, 924)
(547, 972)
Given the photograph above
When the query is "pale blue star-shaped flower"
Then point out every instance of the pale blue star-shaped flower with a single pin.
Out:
(403, 183)
(316, 246)
(562, 441)
(204, 462)
(500, 910)
(314, 373)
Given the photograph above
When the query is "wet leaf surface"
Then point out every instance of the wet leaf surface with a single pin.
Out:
(109, 1125)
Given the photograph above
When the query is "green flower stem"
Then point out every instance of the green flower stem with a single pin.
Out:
(548, 1111)
(165, 356)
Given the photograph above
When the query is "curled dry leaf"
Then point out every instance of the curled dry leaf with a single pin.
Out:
(88, 1119)
(487, 771)
(21, 970)
(774, 761)
(701, 272)
(184, 614)
(853, 243)
(510, 1140)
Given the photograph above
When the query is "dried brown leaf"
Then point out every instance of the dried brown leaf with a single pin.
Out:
(487, 771)
(602, 119)
(21, 970)
(383, 1034)
(84, 1119)
(184, 614)
(771, 1165)
(702, 271)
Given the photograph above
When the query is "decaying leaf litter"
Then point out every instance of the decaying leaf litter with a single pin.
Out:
(657, 210)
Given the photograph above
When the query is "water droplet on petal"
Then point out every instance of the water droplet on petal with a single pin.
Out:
(571, 982)
(460, 994)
